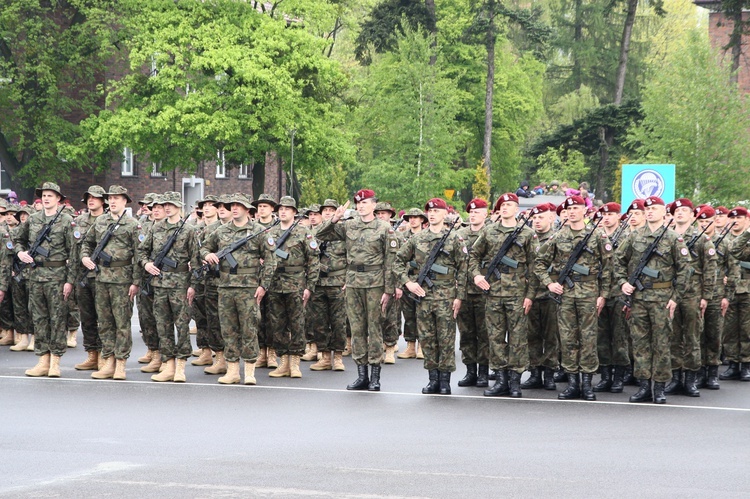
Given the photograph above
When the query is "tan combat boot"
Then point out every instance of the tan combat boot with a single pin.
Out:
(147, 357)
(324, 364)
(107, 370)
(30, 348)
(100, 362)
(312, 353)
(249, 372)
(72, 340)
(262, 358)
(196, 352)
(294, 371)
(179, 371)
(23, 342)
(219, 366)
(167, 374)
(91, 362)
(410, 352)
(204, 359)
(283, 369)
(54, 366)
(6, 338)
(338, 361)
(119, 369)
(390, 355)
(233, 374)
(154, 364)
(348, 349)
(420, 355)
(272, 362)
(41, 368)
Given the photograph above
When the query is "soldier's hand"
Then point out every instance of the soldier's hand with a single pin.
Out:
(88, 263)
(627, 289)
(25, 257)
(527, 306)
(259, 294)
(456, 307)
(482, 283)
(67, 290)
(725, 279)
(555, 287)
(132, 291)
(399, 293)
(600, 305)
(340, 211)
(704, 305)
(190, 296)
(416, 289)
(384, 302)
(212, 259)
(305, 297)
(151, 269)
(671, 306)
(2, 296)
(724, 306)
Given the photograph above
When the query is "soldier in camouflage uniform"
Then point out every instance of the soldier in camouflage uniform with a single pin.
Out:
(118, 281)
(146, 319)
(474, 340)
(242, 288)
(314, 218)
(509, 295)
(653, 307)
(391, 321)
(737, 321)
(295, 276)
(580, 305)
(7, 318)
(370, 251)
(735, 221)
(173, 293)
(327, 307)
(19, 294)
(50, 281)
(266, 207)
(416, 219)
(438, 305)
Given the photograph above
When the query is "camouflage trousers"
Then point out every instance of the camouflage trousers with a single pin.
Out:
(685, 341)
(114, 310)
(577, 324)
(171, 312)
(507, 327)
(198, 314)
(86, 298)
(612, 341)
(327, 314)
(711, 334)
(437, 334)
(7, 320)
(147, 321)
(737, 329)
(544, 339)
(474, 341)
(409, 310)
(49, 311)
(390, 323)
(265, 338)
(73, 320)
(21, 314)
(286, 322)
(239, 316)
(363, 311)
(213, 323)
(651, 328)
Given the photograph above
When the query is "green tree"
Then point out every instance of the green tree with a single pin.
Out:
(563, 165)
(329, 182)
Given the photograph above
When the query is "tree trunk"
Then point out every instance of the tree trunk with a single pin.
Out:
(487, 146)
(430, 5)
(627, 31)
(735, 41)
(577, 37)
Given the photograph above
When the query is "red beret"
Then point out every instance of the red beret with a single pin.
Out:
(652, 200)
(597, 215)
(363, 194)
(476, 203)
(705, 212)
(542, 208)
(610, 208)
(623, 217)
(722, 210)
(738, 211)
(559, 209)
(680, 203)
(638, 204)
(436, 203)
(574, 200)
(508, 196)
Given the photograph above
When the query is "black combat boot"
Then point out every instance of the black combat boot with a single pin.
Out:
(659, 397)
(587, 392)
(483, 378)
(732, 372)
(628, 379)
(433, 386)
(534, 381)
(362, 380)
(493, 375)
(573, 391)
(644, 392)
(549, 379)
(700, 378)
(560, 376)
(445, 383)
(471, 376)
(501, 385)
(606, 382)
(675, 385)
(515, 384)
(712, 378)
(374, 385)
(617, 384)
(691, 390)
(745, 372)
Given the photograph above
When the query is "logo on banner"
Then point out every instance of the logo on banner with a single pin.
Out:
(648, 183)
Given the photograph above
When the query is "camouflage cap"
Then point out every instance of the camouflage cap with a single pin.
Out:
(96, 191)
(118, 190)
(29, 210)
(12, 207)
(208, 199)
(173, 198)
(266, 199)
(383, 206)
(315, 208)
(414, 212)
(242, 199)
(329, 203)
(49, 186)
(148, 199)
(3, 205)
(287, 201)
(224, 200)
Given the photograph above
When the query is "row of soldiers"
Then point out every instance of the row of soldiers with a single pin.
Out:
(269, 290)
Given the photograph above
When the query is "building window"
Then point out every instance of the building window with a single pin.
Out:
(156, 170)
(4, 180)
(244, 171)
(128, 163)
(221, 165)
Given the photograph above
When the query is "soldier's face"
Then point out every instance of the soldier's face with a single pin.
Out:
(683, 215)
(655, 213)
(366, 207)
(436, 216)
(158, 212)
(286, 213)
(117, 204)
(223, 213)
(415, 222)
(705, 222)
(265, 210)
(740, 225)
(637, 218)
(50, 199)
(171, 210)
(94, 204)
(24, 216)
(209, 209)
(239, 212)
(610, 219)
(541, 222)
(576, 213)
(477, 216)
(315, 218)
(328, 213)
(384, 215)
(563, 215)
(720, 221)
(508, 210)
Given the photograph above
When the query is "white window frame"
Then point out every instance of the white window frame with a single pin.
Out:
(155, 170)
(244, 171)
(221, 165)
(4, 189)
(127, 166)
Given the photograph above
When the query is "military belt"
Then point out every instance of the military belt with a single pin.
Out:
(333, 273)
(53, 264)
(658, 285)
(365, 268)
(180, 268)
(241, 271)
(290, 270)
(577, 277)
(442, 277)
(121, 263)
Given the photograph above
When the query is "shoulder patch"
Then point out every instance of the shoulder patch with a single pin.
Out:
(465, 250)
(680, 239)
(313, 244)
(390, 231)
(308, 236)
(139, 227)
(608, 247)
(9, 245)
(684, 252)
(271, 241)
(141, 237)
(77, 234)
(394, 244)
(711, 251)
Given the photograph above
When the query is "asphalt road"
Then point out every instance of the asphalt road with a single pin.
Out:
(77, 437)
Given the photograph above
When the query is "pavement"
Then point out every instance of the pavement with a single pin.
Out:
(310, 437)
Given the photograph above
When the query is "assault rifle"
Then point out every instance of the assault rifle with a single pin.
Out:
(225, 253)
(36, 248)
(695, 238)
(502, 258)
(281, 241)
(572, 266)
(642, 269)
(722, 236)
(429, 265)
(99, 255)
(615, 239)
(162, 259)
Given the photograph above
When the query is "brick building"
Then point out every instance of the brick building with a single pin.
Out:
(719, 29)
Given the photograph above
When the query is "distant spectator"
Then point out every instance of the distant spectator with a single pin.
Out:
(523, 191)
(12, 197)
(38, 204)
(585, 195)
(540, 189)
(554, 189)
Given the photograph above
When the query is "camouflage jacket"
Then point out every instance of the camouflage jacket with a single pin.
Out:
(370, 251)
(249, 273)
(211, 278)
(739, 250)
(122, 247)
(447, 286)
(469, 236)
(513, 282)
(332, 262)
(724, 270)
(673, 266)
(555, 253)
(6, 258)
(182, 252)
(540, 292)
(83, 223)
(702, 282)
(299, 271)
(60, 246)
